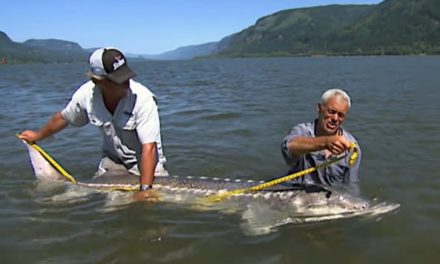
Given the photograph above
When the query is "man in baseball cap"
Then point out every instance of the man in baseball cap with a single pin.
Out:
(109, 63)
(126, 113)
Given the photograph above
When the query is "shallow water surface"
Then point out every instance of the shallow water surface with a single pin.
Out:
(226, 118)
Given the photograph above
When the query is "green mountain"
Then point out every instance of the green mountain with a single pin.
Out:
(41, 51)
(395, 27)
(391, 27)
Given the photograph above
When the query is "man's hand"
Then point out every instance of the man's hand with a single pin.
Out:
(29, 136)
(148, 195)
(337, 144)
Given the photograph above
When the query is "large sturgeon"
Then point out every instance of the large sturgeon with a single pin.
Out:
(315, 203)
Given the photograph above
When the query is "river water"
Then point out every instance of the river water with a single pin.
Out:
(226, 118)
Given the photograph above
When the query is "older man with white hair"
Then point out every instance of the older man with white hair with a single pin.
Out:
(314, 143)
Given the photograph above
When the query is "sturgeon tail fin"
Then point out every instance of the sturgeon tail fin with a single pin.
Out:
(45, 167)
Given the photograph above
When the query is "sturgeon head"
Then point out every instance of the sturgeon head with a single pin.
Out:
(327, 200)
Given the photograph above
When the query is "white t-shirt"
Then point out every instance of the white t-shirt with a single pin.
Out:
(135, 121)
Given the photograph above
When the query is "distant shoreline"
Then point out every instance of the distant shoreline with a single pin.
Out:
(136, 60)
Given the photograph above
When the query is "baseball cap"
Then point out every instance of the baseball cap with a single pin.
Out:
(109, 63)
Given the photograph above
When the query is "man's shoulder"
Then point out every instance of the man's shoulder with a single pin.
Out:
(86, 88)
(140, 90)
(309, 124)
(306, 126)
(142, 98)
(302, 129)
(84, 92)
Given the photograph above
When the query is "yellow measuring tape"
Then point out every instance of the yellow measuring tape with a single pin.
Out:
(51, 161)
(68, 176)
(119, 188)
(219, 197)
(213, 198)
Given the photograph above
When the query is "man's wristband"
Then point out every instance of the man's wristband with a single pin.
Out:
(145, 187)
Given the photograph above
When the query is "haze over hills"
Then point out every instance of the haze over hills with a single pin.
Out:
(54, 44)
(45, 51)
(187, 52)
(393, 27)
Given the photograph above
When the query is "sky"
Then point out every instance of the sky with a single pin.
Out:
(140, 26)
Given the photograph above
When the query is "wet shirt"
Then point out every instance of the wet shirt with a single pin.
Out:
(134, 122)
(337, 173)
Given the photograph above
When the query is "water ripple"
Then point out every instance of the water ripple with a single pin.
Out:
(226, 118)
